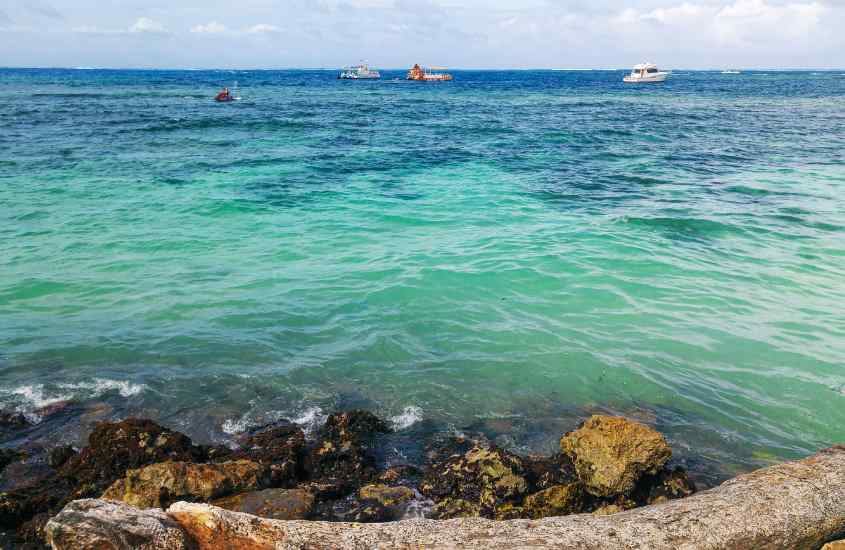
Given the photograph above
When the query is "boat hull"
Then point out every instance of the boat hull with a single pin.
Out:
(650, 79)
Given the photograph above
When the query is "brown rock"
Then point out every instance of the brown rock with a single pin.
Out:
(561, 500)
(838, 545)
(281, 446)
(611, 454)
(103, 525)
(159, 485)
(487, 478)
(281, 504)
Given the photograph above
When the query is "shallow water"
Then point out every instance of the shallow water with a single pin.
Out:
(505, 253)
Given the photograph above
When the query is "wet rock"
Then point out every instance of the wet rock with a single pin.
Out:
(7, 456)
(452, 508)
(560, 500)
(281, 504)
(486, 478)
(611, 453)
(547, 472)
(664, 486)
(12, 421)
(281, 446)
(114, 448)
(32, 532)
(102, 525)
(344, 452)
(59, 456)
(380, 503)
(159, 485)
(400, 475)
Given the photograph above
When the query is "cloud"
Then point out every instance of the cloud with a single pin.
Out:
(147, 25)
(211, 28)
(44, 9)
(263, 29)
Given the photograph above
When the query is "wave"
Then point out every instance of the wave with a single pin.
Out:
(409, 417)
(30, 399)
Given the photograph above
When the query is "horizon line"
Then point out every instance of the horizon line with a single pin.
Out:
(487, 69)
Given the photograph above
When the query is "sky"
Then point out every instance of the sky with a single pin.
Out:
(556, 34)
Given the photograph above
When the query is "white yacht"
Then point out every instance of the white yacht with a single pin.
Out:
(359, 72)
(646, 73)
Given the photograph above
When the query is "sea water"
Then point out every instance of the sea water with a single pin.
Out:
(505, 254)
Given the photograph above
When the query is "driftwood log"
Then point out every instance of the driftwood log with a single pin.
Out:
(793, 506)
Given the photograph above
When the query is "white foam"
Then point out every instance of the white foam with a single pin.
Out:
(99, 386)
(311, 420)
(235, 427)
(409, 417)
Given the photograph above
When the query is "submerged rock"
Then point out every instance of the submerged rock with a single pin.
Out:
(612, 453)
(104, 525)
(160, 485)
(475, 483)
(59, 456)
(281, 504)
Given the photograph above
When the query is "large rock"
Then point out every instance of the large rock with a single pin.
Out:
(611, 454)
(159, 485)
(343, 454)
(838, 545)
(281, 446)
(281, 504)
(104, 525)
(474, 483)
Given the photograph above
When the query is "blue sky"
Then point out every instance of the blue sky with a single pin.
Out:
(397, 33)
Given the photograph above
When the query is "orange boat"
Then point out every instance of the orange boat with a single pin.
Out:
(427, 74)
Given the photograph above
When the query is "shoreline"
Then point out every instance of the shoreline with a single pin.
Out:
(339, 476)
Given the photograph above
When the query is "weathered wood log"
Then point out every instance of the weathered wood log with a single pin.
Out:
(793, 506)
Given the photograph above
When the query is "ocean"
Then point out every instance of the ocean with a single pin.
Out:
(504, 254)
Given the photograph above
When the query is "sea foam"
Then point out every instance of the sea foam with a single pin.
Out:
(409, 417)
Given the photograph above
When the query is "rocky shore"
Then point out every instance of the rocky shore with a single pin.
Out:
(607, 465)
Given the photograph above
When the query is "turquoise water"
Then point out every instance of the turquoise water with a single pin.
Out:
(508, 252)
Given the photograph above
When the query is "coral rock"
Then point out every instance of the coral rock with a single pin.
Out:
(611, 454)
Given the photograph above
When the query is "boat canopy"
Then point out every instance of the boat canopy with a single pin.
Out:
(644, 66)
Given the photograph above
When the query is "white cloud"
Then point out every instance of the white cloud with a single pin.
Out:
(211, 28)
(263, 29)
(147, 25)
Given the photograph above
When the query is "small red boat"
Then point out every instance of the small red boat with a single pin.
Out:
(224, 97)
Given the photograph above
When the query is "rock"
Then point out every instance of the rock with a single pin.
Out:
(795, 506)
(560, 500)
(13, 421)
(608, 510)
(380, 503)
(547, 472)
(59, 456)
(114, 448)
(344, 454)
(611, 454)
(400, 475)
(838, 545)
(664, 486)
(281, 504)
(103, 525)
(484, 477)
(7, 456)
(159, 485)
(451, 508)
(281, 446)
